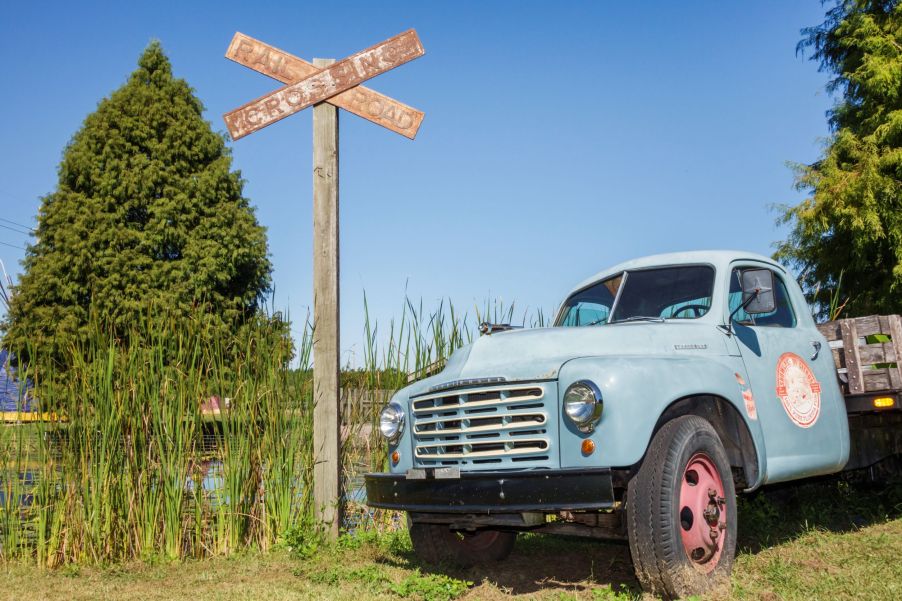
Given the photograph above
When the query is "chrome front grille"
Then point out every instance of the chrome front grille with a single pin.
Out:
(490, 426)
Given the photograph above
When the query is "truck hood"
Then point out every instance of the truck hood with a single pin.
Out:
(538, 354)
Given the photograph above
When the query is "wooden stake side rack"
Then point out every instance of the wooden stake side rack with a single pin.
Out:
(866, 351)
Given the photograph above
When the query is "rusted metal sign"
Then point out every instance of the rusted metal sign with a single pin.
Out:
(361, 101)
(324, 84)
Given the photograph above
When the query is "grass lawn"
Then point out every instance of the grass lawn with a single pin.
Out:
(828, 539)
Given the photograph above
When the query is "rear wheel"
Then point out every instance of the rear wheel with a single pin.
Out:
(681, 511)
(436, 544)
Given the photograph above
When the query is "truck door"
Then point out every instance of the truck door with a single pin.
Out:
(793, 381)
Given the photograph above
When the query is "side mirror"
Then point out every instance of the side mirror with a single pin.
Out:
(758, 291)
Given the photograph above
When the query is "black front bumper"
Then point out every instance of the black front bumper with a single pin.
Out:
(493, 492)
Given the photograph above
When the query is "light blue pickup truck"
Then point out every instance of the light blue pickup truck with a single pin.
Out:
(665, 385)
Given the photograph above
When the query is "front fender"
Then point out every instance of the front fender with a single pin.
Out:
(636, 391)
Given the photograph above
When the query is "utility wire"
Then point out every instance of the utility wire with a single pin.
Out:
(13, 197)
(12, 245)
(30, 229)
(18, 231)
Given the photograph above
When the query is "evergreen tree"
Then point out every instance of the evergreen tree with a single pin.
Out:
(847, 235)
(147, 217)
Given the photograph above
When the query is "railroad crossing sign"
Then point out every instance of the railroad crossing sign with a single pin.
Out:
(361, 101)
(319, 85)
(326, 85)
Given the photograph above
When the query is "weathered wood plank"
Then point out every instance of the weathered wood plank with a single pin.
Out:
(289, 69)
(850, 350)
(876, 380)
(838, 358)
(876, 353)
(830, 330)
(335, 79)
(884, 324)
(895, 332)
(326, 388)
(867, 326)
(895, 377)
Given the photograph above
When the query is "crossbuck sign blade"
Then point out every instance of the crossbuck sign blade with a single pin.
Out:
(324, 84)
(287, 68)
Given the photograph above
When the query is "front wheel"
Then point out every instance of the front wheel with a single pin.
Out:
(681, 511)
(437, 544)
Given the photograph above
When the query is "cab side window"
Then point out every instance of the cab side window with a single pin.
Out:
(782, 317)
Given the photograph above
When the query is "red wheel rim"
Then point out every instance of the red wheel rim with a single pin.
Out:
(702, 512)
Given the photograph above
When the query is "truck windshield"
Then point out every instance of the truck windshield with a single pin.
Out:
(592, 305)
(655, 294)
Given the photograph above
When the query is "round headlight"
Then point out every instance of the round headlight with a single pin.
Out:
(582, 404)
(391, 421)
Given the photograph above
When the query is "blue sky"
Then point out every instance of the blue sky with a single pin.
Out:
(559, 137)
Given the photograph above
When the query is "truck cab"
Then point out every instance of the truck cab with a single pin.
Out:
(664, 385)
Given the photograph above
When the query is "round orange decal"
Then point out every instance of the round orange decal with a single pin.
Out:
(798, 390)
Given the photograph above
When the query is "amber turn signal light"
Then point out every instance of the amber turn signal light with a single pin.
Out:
(395, 457)
(884, 402)
(588, 446)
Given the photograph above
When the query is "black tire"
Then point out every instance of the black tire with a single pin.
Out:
(437, 544)
(654, 520)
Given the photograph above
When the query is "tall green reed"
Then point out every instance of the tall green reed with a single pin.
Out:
(124, 469)
(415, 345)
(125, 474)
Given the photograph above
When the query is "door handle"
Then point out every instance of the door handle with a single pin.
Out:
(817, 349)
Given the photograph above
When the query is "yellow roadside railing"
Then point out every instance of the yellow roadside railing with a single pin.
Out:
(13, 417)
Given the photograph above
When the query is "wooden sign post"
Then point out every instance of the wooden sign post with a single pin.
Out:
(326, 333)
(325, 85)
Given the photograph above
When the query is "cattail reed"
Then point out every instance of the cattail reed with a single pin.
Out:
(178, 442)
